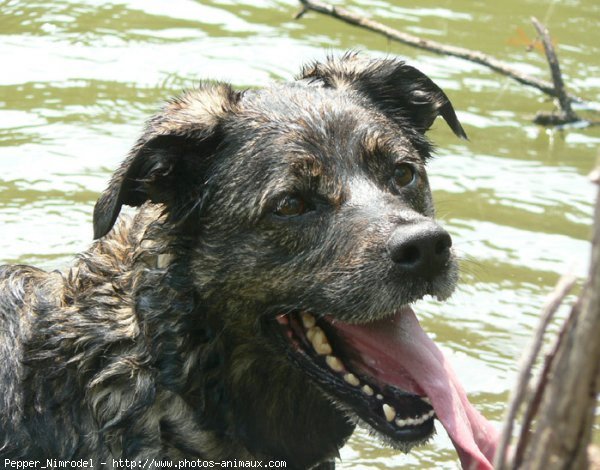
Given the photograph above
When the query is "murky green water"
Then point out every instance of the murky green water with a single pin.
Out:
(79, 77)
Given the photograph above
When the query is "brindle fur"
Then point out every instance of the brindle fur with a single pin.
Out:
(153, 344)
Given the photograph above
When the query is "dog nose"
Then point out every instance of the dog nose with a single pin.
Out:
(421, 249)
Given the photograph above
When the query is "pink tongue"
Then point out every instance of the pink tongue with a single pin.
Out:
(399, 352)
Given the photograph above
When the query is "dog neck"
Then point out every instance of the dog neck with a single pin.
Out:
(236, 384)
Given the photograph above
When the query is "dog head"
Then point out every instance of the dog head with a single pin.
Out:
(326, 175)
(312, 231)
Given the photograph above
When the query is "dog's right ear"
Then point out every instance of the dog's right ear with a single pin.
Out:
(168, 162)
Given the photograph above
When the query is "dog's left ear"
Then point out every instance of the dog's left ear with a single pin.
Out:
(398, 90)
(168, 163)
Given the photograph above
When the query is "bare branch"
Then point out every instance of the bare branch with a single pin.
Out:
(533, 405)
(434, 46)
(564, 286)
(567, 115)
(567, 394)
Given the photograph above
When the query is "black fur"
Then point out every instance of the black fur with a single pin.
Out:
(156, 342)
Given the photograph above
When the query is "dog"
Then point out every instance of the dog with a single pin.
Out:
(257, 305)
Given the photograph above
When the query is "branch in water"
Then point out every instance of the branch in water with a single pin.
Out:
(567, 115)
(478, 57)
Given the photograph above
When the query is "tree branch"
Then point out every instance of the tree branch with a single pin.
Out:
(533, 404)
(564, 286)
(567, 114)
(433, 46)
(565, 400)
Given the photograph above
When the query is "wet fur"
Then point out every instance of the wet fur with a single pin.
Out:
(153, 344)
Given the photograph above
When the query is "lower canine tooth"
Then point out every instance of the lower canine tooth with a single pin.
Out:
(352, 379)
(389, 412)
(307, 320)
(367, 390)
(334, 363)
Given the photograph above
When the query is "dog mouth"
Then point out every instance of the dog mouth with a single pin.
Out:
(392, 376)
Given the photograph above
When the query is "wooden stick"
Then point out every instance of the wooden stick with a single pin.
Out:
(432, 46)
(533, 405)
(566, 410)
(564, 286)
(568, 115)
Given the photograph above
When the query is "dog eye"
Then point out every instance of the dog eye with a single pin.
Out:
(404, 174)
(291, 206)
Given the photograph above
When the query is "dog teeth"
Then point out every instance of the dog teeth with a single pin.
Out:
(319, 342)
(425, 417)
(321, 345)
(426, 400)
(414, 421)
(389, 412)
(334, 363)
(307, 320)
(379, 396)
(352, 380)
